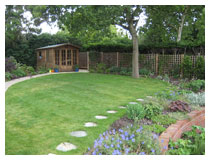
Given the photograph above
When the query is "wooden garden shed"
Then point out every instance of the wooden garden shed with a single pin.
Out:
(62, 56)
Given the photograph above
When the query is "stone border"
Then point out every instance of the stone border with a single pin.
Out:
(14, 81)
(175, 131)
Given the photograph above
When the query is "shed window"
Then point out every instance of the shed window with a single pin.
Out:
(63, 57)
(40, 54)
(69, 57)
(74, 57)
(57, 57)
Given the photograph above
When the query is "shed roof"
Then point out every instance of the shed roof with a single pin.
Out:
(58, 45)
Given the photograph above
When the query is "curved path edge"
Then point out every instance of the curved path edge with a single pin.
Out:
(174, 131)
(14, 81)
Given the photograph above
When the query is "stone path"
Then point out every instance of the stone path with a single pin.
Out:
(78, 134)
(140, 100)
(90, 124)
(121, 107)
(133, 103)
(65, 146)
(14, 81)
(101, 117)
(111, 112)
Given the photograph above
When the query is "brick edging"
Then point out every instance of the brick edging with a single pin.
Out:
(175, 131)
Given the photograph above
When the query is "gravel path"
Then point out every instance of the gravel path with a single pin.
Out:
(10, 83)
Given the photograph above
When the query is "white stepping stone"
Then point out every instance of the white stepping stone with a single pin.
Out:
(100, 117)
(122, 107)
(78, 134)
(149, 96)
(90, 124)
(133, 103)
(65, 146)
(111, 111)
(51, 154)
(140, 100)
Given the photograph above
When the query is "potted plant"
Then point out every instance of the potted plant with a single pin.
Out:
(56, 68)
(76, 68)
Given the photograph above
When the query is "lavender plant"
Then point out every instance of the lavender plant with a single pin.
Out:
(196, 98)
(125, 141)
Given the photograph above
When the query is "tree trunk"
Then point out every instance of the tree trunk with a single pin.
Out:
(181, 25)
(135, 57)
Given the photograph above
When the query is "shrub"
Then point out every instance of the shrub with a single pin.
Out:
(152, 110)
(169, 95)
(200, 68)
(166, 78)
(19, 72)
(127, 141)
(155, 128)
(196, 98)
(101, 68)
(187, 67)
(8, 76)
(196, 85)
(125, 71)
(144, 71)
(159, 77)
(192, 143)
(163, 120)
(10, 64)
(135, 111)
(115, 69)
(42, 70)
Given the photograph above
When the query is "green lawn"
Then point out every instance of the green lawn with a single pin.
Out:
(41, 112)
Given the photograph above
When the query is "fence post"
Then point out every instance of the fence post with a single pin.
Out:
(156, 63)
(102, 57)
(182, 59)
(88, 61)
(117, 59)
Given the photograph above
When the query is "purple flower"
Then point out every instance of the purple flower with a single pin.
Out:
(165, 147)
(96, 149)
(155, 136)
(107, 137)
(120, 142)
(112, 145)
(94, 153)
(152, 150)
(162, 140)
(142, 142)
(126, 139)
(88, 148)
(104, 134)
(142, 153)
(172, 147)
(100, 154)
(110, 132)
(123, 136)
(133, 140)
(112, 138)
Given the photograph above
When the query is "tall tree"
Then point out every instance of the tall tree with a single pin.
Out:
(86, 18)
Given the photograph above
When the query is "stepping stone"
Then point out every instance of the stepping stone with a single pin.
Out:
(111, 111)
(122, 107)
(133, 103)
(78, 134)
(90, 124)
(140, 100)
(149, 96)
(65, 146)
(51, 154)
(100, 117)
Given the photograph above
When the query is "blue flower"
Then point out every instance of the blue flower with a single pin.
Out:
(155, 136)
(123, 136)
(110, 132)
(118, 145)
(162, 140)
(112, 138)
(104, 134)
(142, 153)
(120, 130)
(165, 147)
(133, 140)
(172, 147)
(94, 153)
(152, 150)
(126, 139)
(88, 148)
(107, 137)
(112, 145)
(100, 154)
(96, 149)
(142, 142)
(126, 133)
(120, 142)
(127, 150)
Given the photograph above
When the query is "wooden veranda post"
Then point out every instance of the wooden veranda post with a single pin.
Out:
(88, 61)
(156, 64)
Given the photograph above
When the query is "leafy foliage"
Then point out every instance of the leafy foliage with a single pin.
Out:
(192, 143)
(196, 85)
(135, 111)
(200, 68)
(155, 128)
(152, 110)
(187, 67)
(196, 98)
(163, 120)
